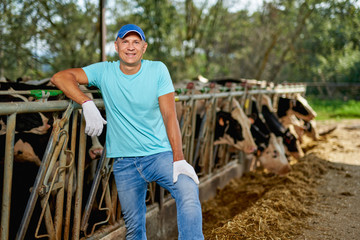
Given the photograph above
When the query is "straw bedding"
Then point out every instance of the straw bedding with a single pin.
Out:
(261, 205)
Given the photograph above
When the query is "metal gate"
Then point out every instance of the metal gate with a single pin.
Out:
(63, 204)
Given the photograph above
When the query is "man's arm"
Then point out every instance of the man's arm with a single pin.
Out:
(180, 166)
(68, 81)
(167, 108)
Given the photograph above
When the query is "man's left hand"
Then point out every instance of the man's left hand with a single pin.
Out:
(182, 167)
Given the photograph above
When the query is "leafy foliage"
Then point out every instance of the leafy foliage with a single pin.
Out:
(337, 109)
(284, 40)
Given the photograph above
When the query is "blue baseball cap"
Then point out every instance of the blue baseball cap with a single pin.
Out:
(130, 28)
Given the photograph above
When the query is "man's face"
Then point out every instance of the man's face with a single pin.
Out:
(130, 49)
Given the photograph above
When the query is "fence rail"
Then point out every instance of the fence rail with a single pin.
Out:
(63, 203)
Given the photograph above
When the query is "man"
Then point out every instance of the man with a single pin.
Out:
(143, 134)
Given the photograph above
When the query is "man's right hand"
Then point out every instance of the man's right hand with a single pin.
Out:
(182, 167)
(94, 121)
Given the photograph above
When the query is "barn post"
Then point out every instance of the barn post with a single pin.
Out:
(71, 176)
(79, 181)
(42, 172)
(102, 4)
(8, 174)
(193, 129)
(61, 192)
(212, 133)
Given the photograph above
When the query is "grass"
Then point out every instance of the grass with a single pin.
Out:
(335, 109)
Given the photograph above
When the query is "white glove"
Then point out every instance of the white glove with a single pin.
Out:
(182, 167)
(94, 120)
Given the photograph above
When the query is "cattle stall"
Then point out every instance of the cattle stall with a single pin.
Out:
(69, 196)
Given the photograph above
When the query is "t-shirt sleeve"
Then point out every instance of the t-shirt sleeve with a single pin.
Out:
(94, 73)
(165, 83)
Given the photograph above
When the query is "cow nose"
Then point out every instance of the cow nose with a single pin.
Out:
(275, 154)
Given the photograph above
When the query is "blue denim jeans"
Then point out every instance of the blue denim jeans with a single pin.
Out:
(132, 175)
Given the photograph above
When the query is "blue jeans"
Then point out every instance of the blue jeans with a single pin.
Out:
(132, 175)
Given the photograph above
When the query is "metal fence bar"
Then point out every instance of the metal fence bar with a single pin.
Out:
(61, 192)
(61, 105)
(94, 188)
(71, 177)
(31, 107)
(8, 176)
(71, 223)
(40, 177)
(80, 180)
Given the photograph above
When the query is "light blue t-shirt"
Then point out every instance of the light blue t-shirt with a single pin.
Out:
(134, 122)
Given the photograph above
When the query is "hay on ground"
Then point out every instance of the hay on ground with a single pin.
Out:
(264, 206)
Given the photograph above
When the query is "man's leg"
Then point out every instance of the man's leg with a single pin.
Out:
(159, 168)
(131, 188)
(189, 215)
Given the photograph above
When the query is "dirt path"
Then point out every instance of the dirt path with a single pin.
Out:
(319, 199)
(338, 205)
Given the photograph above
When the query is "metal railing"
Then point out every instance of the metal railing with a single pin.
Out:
(63, 205)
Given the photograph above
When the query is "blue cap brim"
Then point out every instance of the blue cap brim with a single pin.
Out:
(130, 28)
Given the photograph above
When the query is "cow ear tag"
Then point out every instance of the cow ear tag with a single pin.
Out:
(258, 153)
(247, 103)
(221, 122)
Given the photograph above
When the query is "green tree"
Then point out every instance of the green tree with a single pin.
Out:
(285, 40)
(330, 48)
(159, 20)
(18, 36)
(71, 33)
(53, 34)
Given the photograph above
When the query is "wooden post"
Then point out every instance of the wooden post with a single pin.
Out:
(102, 4)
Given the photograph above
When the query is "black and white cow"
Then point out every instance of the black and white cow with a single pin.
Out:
(234, 129)
(287, 133)
(32, 129)
(32, 133)
(297, 113)
(270, 151)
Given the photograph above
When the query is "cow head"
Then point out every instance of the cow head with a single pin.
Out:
(297, 106)
(292, 144)
(310, 130)
(227, 128)
(239, 115)
(24, 152)
(273, 157)
(302, 109)
(233, 129)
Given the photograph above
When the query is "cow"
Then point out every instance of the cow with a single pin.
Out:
(297, 106)
(206, 111)
(288, 134)
(310, 130)
(298, 113)
(234, 129)
(231, 128)
(232, 125)
(273, 157)
(30, 128)
(32, 133)
(270, 149)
